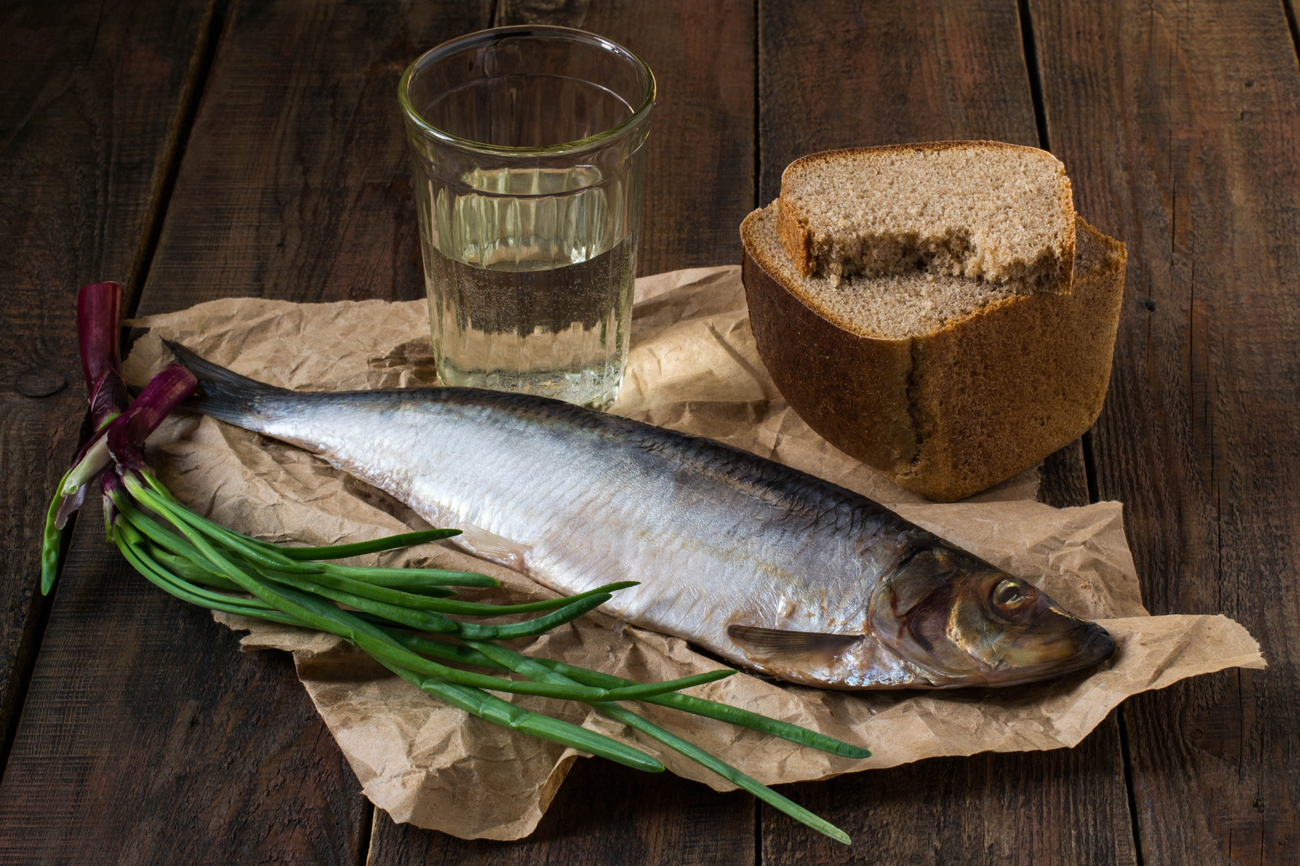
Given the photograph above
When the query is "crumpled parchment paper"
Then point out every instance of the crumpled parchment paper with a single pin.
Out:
(693, 367)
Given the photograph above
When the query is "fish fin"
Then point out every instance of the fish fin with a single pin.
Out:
(776, 641)
(222, 394)
(492, 547)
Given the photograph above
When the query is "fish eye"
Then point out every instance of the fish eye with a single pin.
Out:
(1012, 597)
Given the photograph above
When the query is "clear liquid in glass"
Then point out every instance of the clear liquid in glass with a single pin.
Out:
(530, 275)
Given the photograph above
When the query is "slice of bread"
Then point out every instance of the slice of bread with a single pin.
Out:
(946, 384)
(980, 209)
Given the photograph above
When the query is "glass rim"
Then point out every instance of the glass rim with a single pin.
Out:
(638, 116)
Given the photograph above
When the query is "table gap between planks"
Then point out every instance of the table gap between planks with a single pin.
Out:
(138, 741)
(92, 113)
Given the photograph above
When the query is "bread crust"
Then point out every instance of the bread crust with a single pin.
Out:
(870, 413)
(794, 233)
(797, 237)
(956, 411)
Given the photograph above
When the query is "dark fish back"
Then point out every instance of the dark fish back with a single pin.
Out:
(239, 400)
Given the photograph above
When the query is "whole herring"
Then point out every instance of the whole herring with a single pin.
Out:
(764, 565)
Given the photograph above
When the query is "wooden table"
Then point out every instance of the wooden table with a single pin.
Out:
(197, 149)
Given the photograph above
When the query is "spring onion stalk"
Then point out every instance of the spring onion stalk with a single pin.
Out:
(521, 664)
(372, 607)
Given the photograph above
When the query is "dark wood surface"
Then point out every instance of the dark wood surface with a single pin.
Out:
(1181, 126)
(195, 151)
(90, 113)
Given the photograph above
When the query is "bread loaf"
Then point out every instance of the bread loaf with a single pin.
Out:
(946, 384)
(985, 210)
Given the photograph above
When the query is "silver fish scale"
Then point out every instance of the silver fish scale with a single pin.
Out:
(716, 535)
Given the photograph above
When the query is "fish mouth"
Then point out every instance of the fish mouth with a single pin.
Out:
(1097, 647)
(1092, 646)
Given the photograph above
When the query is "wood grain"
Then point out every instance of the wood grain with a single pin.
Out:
(146, 736)
(918, 71)
(1063, 477)
(884, 73)
(699, 186)
(295, 184)
(700, 160)
(604, 814)
(89, 116)
(1026, 808)
(1180, 124)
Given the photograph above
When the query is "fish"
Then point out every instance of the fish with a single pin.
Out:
(765, 566)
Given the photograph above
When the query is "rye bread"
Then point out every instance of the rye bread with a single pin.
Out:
(980, 209)
(949, 399)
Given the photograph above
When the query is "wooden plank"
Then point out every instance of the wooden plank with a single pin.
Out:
(699, 186)
(146, 736)
(1180, 124)
(917, 70)
(892, 72)
(603, 814)
(1063, 476)
(88, 120)
(296, 184)
(700, 160)
(1066, 806)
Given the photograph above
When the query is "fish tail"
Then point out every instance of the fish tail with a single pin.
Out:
(223, 394)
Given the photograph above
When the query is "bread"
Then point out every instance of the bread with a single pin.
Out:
(985, 210)
(946, 384)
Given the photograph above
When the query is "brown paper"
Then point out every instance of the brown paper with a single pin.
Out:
(693, 367)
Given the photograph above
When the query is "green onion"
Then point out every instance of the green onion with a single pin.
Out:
(360, 548)
(206, 564)
(721, 712)
(472, 700)
(533, 670)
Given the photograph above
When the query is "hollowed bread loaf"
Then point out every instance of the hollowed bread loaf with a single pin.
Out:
(946, 384)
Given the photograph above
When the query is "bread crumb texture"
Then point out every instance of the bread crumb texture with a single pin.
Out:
(995, 212)
(890, 307)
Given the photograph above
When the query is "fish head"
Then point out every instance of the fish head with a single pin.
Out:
(964, 622)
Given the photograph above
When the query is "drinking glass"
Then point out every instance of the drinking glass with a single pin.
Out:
(527, 147)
